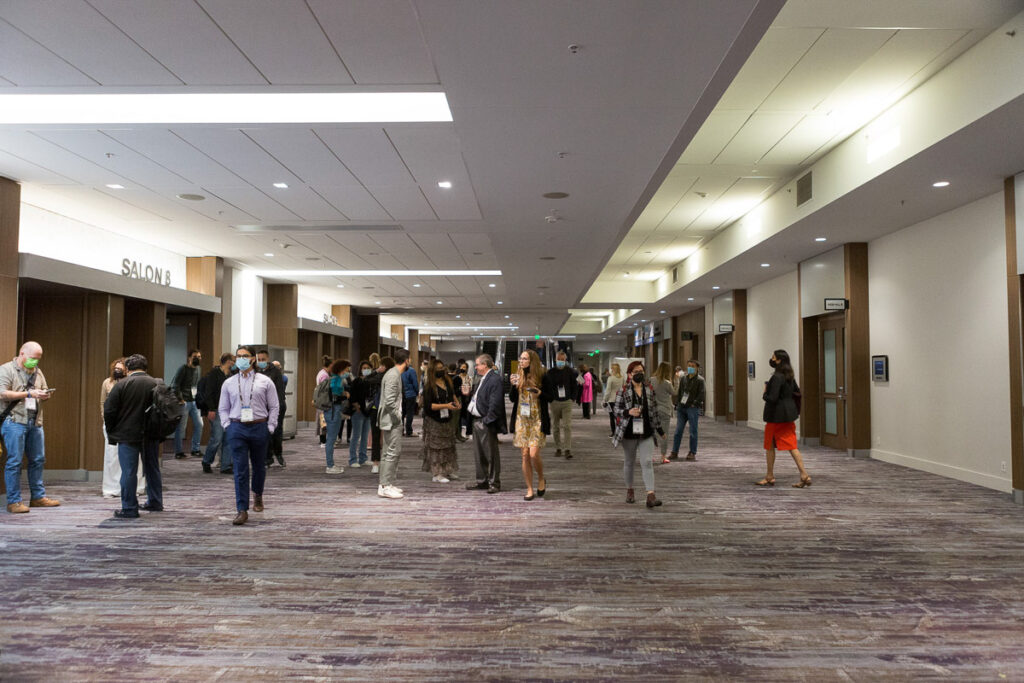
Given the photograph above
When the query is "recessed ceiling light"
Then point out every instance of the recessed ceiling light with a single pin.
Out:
(457, 317)
(716, 287)
(689, 298)
(765, 265)
(377, 303)
(820, 239)
(939, 183)
(467, 324)
(662, 312)
(643, 321)
(115, 186)
(492, 285)
(191, 197)
(341, 286)
(438, 302)
(507, 317)
(281, 186)
(500, 302)
(249, 108)
(416, 285)
(445, 184)
(268, 254)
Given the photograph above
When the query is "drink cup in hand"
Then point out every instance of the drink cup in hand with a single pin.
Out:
(515, 380)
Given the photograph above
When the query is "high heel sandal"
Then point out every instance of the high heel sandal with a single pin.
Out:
(804, 481)
(766, 482)
(529, 497)
(542, 491)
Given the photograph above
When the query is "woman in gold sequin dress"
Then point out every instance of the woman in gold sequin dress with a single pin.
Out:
(531, 422)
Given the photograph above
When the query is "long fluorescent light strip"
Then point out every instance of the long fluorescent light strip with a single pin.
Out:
(374, 273)
(179, 108)
(474, 328)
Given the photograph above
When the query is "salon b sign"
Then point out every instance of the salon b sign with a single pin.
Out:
(136, 270)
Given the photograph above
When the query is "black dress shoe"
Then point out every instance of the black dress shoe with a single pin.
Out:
(494, 488)
(197, 454)
(125, 514)
(241, 518)
(151, 508)
(180, 456)
(207, 469)
(481, 486)
(231, 471)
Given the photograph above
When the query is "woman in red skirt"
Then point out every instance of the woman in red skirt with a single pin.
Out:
(780, 414)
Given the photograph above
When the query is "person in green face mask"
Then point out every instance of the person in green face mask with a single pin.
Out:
(23, 390)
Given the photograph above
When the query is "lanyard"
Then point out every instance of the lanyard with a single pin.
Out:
(252, 388)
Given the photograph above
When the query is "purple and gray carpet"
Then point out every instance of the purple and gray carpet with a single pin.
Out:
(875, 572)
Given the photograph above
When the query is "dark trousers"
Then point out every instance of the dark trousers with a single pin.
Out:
(276, 449)
(128, 455)
(488, 459)
(586, 410)
(611, 421)
(248, 444)
(408, 412)
(375, 433)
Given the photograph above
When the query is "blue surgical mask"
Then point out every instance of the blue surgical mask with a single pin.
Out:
(243, 363)
(691, 370)
(262, 364)
(366, 372)
(560, 363)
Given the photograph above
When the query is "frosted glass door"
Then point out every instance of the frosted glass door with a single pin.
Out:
(832, 348)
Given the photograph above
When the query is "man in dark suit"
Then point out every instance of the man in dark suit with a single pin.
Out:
(487, 408)
(276, 375)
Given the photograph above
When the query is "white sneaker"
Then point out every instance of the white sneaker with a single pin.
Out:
(375, 470)
(337, 469)
(354, 465)
(389, 492)
(441, 479)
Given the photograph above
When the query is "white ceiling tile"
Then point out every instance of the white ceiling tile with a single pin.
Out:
(183, 38)
(431, 153)
(304, 154)
(441, 250)
(354, 201)
(806, 138)
(380, 41)
(23, 171)
(75, 37)
(305, 203)
(254, 202)
(237, 152)
(25, 62)
(123, 161)
(282, 38)
(828, 62)
(404, 202)
(718, 129)
(779, 50)
(170, 151)
(25, 145)
(111, 205)
(907, 13)
(368, 154)
(759, 135)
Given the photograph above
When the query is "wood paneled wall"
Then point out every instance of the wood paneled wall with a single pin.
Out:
(366, 331)
(1014, 299)
(858, 347)
(145, 332)
(739, 351)
(283, 315)
(104, 339)
(10, 221)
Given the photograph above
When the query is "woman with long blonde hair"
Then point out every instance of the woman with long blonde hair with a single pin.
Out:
(612, 386)
(531, 421)
(664, 391)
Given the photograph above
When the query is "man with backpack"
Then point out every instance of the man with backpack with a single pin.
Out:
(127, 413)
(208, 399)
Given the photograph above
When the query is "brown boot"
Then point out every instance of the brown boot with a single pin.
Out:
(241, 518)
(629, 496)
(17, 508)
(258, 507)
(674, 455)
(691, 456)
(43, 503)
(652, 501)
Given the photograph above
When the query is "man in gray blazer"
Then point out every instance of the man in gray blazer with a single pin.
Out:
(487, 408)
(389, 418)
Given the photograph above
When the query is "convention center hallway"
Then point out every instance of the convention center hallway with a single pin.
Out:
(874, 572)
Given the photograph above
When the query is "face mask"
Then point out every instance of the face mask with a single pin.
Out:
(31, 363)
(366, 372)
(464, 370)
(773, 363)
(679, 374)
(262, 364)
(638, 378)
(118, 373)
(196, 362)
(560, 363)
(691, 371)
(243, 363)
(439, 373)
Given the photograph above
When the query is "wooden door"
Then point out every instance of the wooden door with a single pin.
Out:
(832, 378)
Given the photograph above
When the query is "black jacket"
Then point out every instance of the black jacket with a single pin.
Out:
(693, 386)
(211, 389)
(359, 391)
(184, 380)
(564, 377)
(547, 392)
(779, 405)
(124, 412)
(277, 377)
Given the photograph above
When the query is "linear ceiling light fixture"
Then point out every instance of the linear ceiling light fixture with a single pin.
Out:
(475, 327)
(374, 273)
(193, 107)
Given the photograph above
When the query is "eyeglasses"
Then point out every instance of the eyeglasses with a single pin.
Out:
(242, 355)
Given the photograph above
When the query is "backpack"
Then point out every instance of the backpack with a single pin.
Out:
(201, 395)
(322, 395)
(164, 412)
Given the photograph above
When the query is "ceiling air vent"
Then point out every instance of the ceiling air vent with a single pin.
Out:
(803, 189)
(319, 228)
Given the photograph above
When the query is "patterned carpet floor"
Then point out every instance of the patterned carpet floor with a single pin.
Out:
(876, 572)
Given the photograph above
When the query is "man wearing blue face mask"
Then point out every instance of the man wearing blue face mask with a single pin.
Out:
(689, 401)
(274, 374)
(563, 378)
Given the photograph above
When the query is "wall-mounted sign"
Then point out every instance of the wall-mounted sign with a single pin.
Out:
(141, 271)
(751, 370)
(880, 368)
(638, 337)
(725, 327)
(837, 304)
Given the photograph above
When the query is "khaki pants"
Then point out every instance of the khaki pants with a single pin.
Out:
(561, 418)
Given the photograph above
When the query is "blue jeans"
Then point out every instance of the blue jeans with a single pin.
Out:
(21, 441)
(248, 443)
(333, 418)
(217, 440)
(197, 427)
(128, 456)
(684, 415)
(360, 435)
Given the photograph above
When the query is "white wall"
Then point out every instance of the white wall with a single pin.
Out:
(312, 308)
(939, 311)
(822, 277)
(248, 314)
(773, 322)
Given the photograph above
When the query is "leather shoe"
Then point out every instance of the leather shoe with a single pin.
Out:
(17, 508)
(43, 503)
(125, 514)
(151, 508)
(231, 471)
(258, 507)
(180, 456)
(494, 488)
(241, 518)
(207, 469)
(481, 486)
(652, 501)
